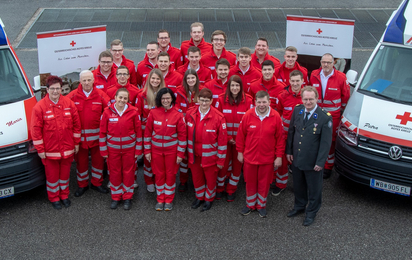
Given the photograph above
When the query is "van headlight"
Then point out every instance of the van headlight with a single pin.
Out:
(348, 136)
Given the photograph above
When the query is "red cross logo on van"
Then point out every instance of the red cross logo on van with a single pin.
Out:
(73, 43)
(319, 31)
(405, 118)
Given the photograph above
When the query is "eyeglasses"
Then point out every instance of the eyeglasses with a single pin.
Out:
(218, 40)
(117, 50)
(163, 38)
(106, 62)
(122, 74)
(54, 89)
(326, 62)
(204, 100)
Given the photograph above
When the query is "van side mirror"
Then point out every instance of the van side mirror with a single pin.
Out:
(351, 76)
(36, 87)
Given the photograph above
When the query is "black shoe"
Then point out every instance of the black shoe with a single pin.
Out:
(66, 203)
(262, 213)
(295, 212)
(127, 204)
(219, 196)
(80, 191)
(183, 187)
(231, 197)
(100, 189)
(276, 191)
(273, 185)
(206, 206)
(246, 211)
(308, 221)
(196, 203)
(114, 204)
(57, 205)
(327, 173)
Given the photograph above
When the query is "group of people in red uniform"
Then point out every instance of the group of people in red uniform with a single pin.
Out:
(200, 107)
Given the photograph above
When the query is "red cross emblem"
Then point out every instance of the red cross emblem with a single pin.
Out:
(405, 118)
(73, 43)
(319, 31)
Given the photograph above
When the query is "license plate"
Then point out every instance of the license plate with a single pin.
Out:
(6, 192)
(390, 187)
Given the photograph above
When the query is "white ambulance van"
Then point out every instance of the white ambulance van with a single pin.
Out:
(20, 167)
(374, 144)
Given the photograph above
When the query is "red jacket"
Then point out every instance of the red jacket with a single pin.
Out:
(251, 75)
(120, 134)
(143, 69)
(233, 113)
(337, 92)
(203, 46)
(182, 102)
(133, 92)
(209, 59)
(214, 136)
(287, 100)
(90, 110)
(273, 87)
(260, 141)
(257, 65)
(175, 57)
(165, 132)
(217, 88)
(282, 73)
(203, 72)
(143, 108)
(100, 81)
(55, 128)
(132, 69)
(173, 79)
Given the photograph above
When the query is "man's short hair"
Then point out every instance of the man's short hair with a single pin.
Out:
(206, 93)
(83, 72)
(244, 51)
(263, 39)
(309, 89)
(122, 67)
(165, 54)
(327, 54)
(291, 48)
(115, 43)
(268, 63)
(154, 42)
(197, 24)
(193, 49)
(262, 94)
(296, 73)
(105, 54)
(218, 32)
(222, 61)
(163, 31)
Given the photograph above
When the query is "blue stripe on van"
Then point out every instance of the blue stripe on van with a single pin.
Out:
(394, 31)
(3, 39)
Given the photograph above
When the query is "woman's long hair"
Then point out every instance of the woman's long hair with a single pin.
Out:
(186, 86)
(228, 93)
(148, 88)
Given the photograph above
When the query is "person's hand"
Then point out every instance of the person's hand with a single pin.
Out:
(317, 168)
(42, 155)
(76, 149)
(178, 160)
(148, 157)
(105, 157)
(232, 141)
(219, 166)
(278, 162)
(289, 157)
(240, 157)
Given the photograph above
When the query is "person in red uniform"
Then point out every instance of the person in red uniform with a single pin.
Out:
(290, 64)
(145, 103)
(217, 52)
(147, 64)
(334, 93)
(218, 85)
(244, 69)
(105, 74)
(187, 97)
(203, 72)
(165, 143)
(55, 129)
(233, 104)
(121, 143)
(196, 33)
(163, 38)
(172, 78)
(287, 100)
(260, 145)
(207, 145)
(262, 53)
(267, 83)
(116, 49)
(123, 75)
(90, 103)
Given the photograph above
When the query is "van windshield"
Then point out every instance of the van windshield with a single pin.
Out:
(13, 87)
(389, 75)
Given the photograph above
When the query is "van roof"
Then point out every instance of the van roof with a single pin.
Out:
(398, 29)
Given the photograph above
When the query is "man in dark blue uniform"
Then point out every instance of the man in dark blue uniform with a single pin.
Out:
(308, 144)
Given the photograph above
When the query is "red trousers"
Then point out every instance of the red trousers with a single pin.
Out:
(57, 178)
(281, 174)
(165, 168)
(258, 179)
(231, 171)
(184, 171)
(204, 180)
(82, 159)
(149, 178)
(122, 167)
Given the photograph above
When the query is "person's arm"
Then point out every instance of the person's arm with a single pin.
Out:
(222, 143)
(291, 133)
(77, 128)
(139, 135)
(182, 138)
(325, 142)
(103, 136)
(37, 131)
